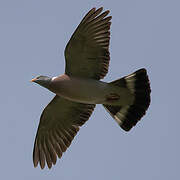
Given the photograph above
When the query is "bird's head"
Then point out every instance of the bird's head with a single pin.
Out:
(42, 80)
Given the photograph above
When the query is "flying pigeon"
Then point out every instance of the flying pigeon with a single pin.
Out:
(79, 89)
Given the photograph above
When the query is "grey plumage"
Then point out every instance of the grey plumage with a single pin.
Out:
(80, 89)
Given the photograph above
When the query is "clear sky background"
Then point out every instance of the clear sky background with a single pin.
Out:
(144, 33)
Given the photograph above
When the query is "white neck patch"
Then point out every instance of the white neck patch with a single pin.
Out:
(53, 78)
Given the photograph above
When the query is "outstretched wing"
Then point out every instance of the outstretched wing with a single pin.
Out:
(59, 123)
(87, 52)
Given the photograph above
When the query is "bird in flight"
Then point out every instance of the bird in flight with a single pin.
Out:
(79, 89)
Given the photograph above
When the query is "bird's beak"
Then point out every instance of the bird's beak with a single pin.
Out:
(32, 80)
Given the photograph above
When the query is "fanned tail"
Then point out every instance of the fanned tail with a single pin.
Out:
(138, 84)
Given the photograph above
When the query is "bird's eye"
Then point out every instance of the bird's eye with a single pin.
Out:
(38, 77)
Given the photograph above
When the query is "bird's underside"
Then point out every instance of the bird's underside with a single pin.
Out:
(80, 89)
(90, 91)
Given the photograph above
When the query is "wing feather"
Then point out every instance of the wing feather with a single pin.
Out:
(59, 123)
(87, 52)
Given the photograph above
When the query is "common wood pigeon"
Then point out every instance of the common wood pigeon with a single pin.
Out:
(80, 89)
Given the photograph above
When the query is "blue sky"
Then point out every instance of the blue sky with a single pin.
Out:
(33, 35)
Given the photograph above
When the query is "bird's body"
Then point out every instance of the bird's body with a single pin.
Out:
(90, 91)
(80, 89)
